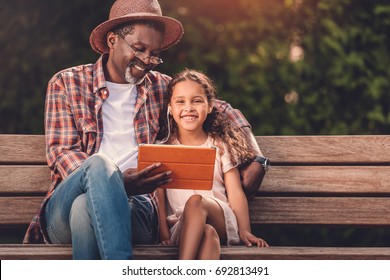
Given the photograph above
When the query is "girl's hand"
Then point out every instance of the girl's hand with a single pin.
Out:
(166, 242)
(249, 239)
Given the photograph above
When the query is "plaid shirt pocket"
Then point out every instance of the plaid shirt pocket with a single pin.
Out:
(88, 132)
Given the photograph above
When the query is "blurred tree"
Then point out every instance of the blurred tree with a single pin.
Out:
(294, 66)
(345, 76)
(291, 66)
(37, 39)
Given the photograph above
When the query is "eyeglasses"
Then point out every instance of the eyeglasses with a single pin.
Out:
(153, 59)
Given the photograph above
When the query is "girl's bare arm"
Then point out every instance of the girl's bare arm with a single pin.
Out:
(162, 212)
(239, 204)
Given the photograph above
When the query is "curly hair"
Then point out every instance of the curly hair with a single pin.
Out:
(216, 125)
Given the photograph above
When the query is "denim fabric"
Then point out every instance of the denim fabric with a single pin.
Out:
(91, 210)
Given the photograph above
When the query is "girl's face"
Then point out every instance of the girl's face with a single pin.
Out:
(189, 106)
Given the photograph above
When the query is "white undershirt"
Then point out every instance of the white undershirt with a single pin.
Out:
(119, 142)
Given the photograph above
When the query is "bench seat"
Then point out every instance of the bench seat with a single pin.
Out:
(314, 181)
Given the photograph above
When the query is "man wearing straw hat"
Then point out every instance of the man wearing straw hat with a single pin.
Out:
(96, 115)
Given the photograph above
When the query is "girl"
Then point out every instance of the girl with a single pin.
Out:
(196, 220)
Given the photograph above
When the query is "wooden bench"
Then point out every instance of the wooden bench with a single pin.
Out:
(315, 181)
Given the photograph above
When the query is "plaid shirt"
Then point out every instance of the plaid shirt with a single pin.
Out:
(74, 125)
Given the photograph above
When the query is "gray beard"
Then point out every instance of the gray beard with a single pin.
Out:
(131, 79)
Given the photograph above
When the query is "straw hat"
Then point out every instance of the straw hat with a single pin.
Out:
(123, 11)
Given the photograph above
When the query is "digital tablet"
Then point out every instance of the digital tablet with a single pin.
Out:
(192, 166)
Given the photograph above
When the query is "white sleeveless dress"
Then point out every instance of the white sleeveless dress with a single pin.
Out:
(176, 198)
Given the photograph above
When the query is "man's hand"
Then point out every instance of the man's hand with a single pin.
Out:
(140, 183)
(251, 177)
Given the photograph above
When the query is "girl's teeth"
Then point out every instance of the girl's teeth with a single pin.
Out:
(189, 118)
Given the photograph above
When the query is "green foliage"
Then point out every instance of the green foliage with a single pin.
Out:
(37, 39)
(337, 84)
(346, 66)
(341, 86)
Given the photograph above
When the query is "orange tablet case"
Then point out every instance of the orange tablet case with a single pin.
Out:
(192, 166)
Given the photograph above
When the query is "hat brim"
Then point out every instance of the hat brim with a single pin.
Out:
(173, 30)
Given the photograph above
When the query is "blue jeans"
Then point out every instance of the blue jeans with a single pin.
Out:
(91, 210)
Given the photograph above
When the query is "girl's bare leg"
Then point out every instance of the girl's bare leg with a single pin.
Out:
(197, 212)
(210, 246)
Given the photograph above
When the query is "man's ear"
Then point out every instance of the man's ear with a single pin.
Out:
(111, 39)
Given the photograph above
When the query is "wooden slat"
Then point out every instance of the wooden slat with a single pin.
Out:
(295, 180)
(305, 253)
(22, 149)
(35, 252)
(326, 149)
(327, 180)
(153, 252)
(356, 211)
(304, 149)
(17, 211)
(364, 211)
(281, 149)
(24, 179)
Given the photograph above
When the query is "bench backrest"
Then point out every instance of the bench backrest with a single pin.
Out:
(316, 180)
(325, 180)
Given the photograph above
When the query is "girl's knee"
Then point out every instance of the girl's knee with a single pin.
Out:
(195, 202)
(210, 232)
(195, 205)
(211, 238)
